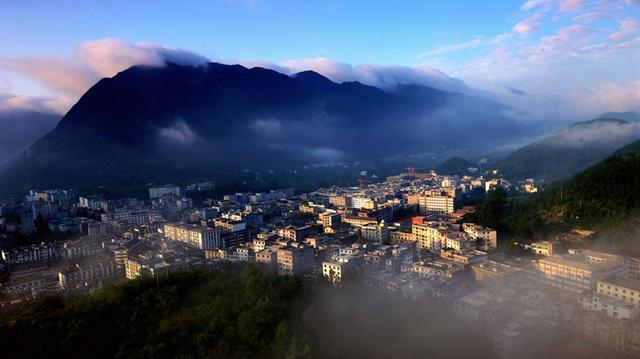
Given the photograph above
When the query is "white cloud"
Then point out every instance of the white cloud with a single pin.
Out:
(110, 56)
(179, 133)
(383, 76)
(525, 27)
(269, 127)
(628, 28)
(609, 96)
(476, 42)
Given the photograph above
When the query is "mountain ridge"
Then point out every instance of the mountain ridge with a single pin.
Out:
(175, 122)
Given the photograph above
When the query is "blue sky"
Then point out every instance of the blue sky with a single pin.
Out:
(572, 55)
(387, 32)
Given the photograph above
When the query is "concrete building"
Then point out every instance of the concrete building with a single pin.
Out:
(159, 192)
(329, 219)
(197, 236)
(435, 204)
(624, 289)
(295, 260)
(544, 248)
(86, 271)
(487, 237)
(579, 271)
(296, 234)
(363, 202)
(613, 307)
(29, 254)
(375, 232)
(268, 257)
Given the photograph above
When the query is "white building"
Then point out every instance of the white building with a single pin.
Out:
(435, 204)
(197, 236)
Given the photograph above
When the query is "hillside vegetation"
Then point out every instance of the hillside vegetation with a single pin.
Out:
(604, 197)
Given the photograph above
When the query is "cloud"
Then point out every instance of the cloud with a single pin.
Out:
(628, 28)
(92, 60)
(383, 76)
(11, 102)
(324, 154)
(571, 5)
(110, 56)
(633, 2)
(179, 133)
(58, 75)
(269, 127)
(609, 96)
(610, 134)
(476, 42)
(525, 27)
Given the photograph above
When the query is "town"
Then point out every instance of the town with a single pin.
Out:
(406, 235)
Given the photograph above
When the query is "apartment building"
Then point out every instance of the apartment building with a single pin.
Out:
(624, 289)
(487, 236)
(435, 204)
(579, 271)
(197, 236)
(295, 260)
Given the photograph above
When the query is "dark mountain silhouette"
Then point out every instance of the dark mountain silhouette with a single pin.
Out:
(454, 166)
(176, 122)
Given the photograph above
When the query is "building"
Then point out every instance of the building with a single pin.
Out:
(197, 236)
(624, 289)
(29, 254)
(267, 257)
(614, 308)
(340, 201)
(579, 271)
(359, 221)
(155, 265)
(363, 202)
(335, 271)
(229, 225)
(132, 218)
(428, 236)
(544, 248)
(159, 192)
(295, 260)
(375, 232)
(296, 234)
(329, 219)
(86, 271)
(487, 237)
(435, 204)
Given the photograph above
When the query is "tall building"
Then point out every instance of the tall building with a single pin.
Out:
(329, 219)
(197, 236)
(435, 204)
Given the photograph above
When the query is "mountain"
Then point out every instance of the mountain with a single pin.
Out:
(455, 166)
(21, 128)
(630, 116)
(176, 123)
(633, 147)
(569, 150)
(604, 198)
